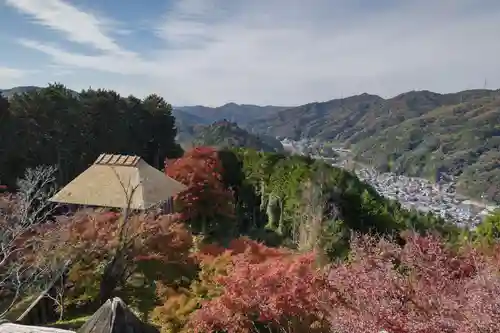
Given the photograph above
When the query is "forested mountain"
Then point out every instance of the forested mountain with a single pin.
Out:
(419, 133)
(8, 93)
(186, 124)
(53, 125)
(184, 119)
(225, 134)
(239, 113)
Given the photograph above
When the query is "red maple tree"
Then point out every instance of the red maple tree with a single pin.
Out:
(425, 286)
(207, 204)
(268, 294)
(215, 263)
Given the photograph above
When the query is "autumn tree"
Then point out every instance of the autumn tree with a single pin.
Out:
(424, 286)
(215, 261)
(178, 303)
(265, 290)
(154, 249)
(207, 205)
(23, 216)
(488, 231)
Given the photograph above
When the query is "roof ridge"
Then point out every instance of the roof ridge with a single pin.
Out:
(117, 160)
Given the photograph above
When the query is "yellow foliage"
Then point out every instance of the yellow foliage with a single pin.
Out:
(179, 303)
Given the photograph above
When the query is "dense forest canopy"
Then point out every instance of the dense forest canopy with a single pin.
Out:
(55, 126)
(225, 134)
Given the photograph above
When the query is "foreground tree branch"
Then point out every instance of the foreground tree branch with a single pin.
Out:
(22, 216)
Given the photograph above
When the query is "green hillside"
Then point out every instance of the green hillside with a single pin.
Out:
(418, 133)
(240, 113)
(8, 93)
(225, 134)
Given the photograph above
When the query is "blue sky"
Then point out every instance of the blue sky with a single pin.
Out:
(282, 52)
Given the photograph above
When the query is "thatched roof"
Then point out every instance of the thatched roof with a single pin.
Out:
(15, 328)
(115, 317)
(115, 180)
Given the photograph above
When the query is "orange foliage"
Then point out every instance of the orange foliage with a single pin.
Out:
(154, 247)
(239, 248)
(207, 203)
(276, 286)
(147, 237)
(424, 286)
(216, 262)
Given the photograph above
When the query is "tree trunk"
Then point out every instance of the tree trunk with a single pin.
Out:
(62, 307)
(11, 305)
(106, 288)
(111, 277)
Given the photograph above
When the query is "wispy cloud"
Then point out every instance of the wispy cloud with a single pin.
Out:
(78, 26)
(8, 76)
(268, 51)
(123, 63)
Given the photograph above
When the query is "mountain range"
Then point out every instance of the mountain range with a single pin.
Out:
(417, 133)
(240, 113)
(196, 115)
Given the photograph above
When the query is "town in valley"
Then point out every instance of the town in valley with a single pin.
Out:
(421, 194)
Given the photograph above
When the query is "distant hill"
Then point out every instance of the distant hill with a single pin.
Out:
(195, 115)
(225, 134)
(189, 119)
(8, 93)
(419, 133)
(240, 113)
(185, 121)
(23, 89)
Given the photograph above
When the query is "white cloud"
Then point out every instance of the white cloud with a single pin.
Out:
(9, 76)
(276, 52)
(77, 25)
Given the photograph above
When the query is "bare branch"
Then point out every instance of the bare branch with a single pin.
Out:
(116, 268)
(20, 216)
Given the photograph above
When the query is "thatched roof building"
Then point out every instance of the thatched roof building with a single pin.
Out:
(119, 181)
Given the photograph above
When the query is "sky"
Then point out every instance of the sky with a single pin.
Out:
(265, 52)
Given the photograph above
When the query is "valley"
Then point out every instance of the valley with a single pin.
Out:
(417, 133)
(417, 193)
